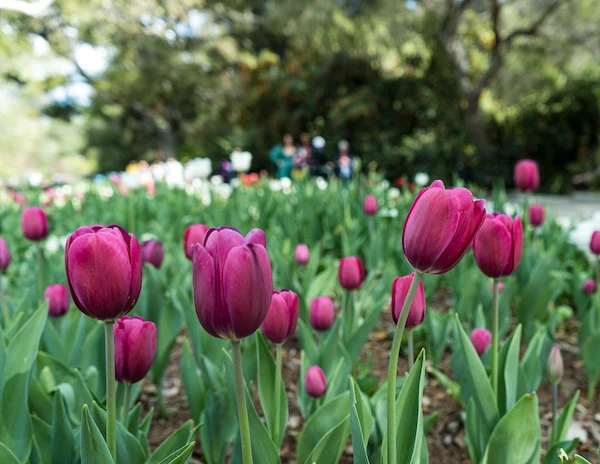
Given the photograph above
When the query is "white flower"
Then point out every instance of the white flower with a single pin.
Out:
(224, 190)
(198, 168)
(421, 179)
(131, 180)
(394, 193)
(321, 183)
(216, 180)
(35, 179)
(241, 160)
(275, 185)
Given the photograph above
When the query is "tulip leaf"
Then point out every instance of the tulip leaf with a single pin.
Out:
(93, 447)
(552, 456)
(356, 342)
(63, 446)
(52, 341)
(2, 358)
(7, 456)
(219, 413)
(477, 432)
(307, 342)
(516, 437)
(361, 423)
(564, 420)
(508, 372)
(531, 369)
(181, 455)
(194, 388)
(174, 442)
(338, 378)
(92, 356)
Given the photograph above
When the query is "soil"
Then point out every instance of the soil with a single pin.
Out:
(446, 439)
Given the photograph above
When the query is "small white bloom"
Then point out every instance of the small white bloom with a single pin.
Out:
(241, 160)
(421, 179)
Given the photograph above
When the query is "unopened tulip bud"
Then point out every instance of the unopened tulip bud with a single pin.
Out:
(193, 234)
(481, 339)
(416, 312)
(595, 242)
(135, 348)
(498, 245)
(555, 365)
(153, 252)
(370, 205)
(282, 318)
(537, 213)
(527, 175)
(322, 313)
(57, 296)
(500, 288)
(4, 255)
(589, 286)
(351, 273)
(315, 382)
(440, 227)
(302, 255)
(34, 223)
(104, 270)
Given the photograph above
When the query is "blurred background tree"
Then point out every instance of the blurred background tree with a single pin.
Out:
(441, 86)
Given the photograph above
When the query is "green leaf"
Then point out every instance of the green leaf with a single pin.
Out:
(516, 437)
(359, 337)
(194, 388)
(7, 456)
(63, 447)
(508, 372)
(181, 455)
(93, 446)
(42, 438)
(174, 442)
(531, 369)
(307, 342)
(564, 419)
(361, 423)
(552, 456)
(170, 323)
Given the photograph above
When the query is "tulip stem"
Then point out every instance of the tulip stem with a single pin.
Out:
(39, 272)
(554, 410)
(5, 313)
(495, 337)
(411, 349)
(240, 395)
(276, 434)
(126, 400)
(111, 407)
(393, 368)
(347, 307)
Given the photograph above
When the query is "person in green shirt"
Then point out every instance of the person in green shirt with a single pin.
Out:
(282, 155)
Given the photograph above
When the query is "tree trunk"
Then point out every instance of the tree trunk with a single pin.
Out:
(476, 127)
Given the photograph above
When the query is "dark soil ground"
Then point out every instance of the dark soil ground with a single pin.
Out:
(446, 440)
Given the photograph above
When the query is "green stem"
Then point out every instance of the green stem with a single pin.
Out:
(126, 400)
(4, 305)
(276, 432)
(39, 272)
(495, 337)
(554, 410)
(240, 395)
(411, 349)
(111, 406)
(348, 315)
(393, 368)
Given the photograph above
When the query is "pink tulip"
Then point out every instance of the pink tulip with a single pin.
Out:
(498, 245)
(351, 272)
(527, 175)
(34, 223)
(302, 255)
(135, 348)
(153, 252)
(322, 313)
(537, 214)
(481, 340)
(416, 312)
(440, 227)
(57, 296)
(233, 282)
(104, 270)
(370, 205)
(595, 242)
(315, 382)
(282, 318)
(4, 255)
(193, 234)
(589, 286)
(500, 288)
(555, 365)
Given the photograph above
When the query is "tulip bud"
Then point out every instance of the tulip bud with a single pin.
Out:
(4, 255)
(315, 382)
(500, 288)
(104, 270)
(498, 245)
(481, 339)
(233, 282)
(555, 365)
(537, 213)
(153, 252)
(527, 175)
(57, 296)
(440, 227)
(193, 234)
(370, 205)
(282, 318)
(351, 273)
(34, 223)
(135, 348)
(416, 312)
(589, 286)
(595, 242)
(302, 254)
(322, 313)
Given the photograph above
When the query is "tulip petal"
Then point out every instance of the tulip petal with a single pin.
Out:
(205, 287)
(141, 346)
(493, 248)
(256, 236)
(120, 336)
(135, 257)
(517, 243)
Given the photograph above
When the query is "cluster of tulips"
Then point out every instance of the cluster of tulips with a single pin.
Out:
(234, 297)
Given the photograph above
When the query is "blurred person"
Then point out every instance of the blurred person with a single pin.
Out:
(344, 160)
(319, 166)
(283, 155)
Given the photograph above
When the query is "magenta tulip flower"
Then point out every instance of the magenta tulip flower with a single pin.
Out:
(537, 214)
(282, 318)
(498, 245)
(135, 348)
(34, 224)
(315, 382)
(416, 313)
(527, 175)
(153, 253)
(351, 272)
(322, 313)
(589, 286)
(233, 282)
(302, 255)
(555, 365)
(57, 296)
(104, 270)
(370, 205)
(595, 242)
(193, 234)
(440, 227)
(4, 255)
(481, 340)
